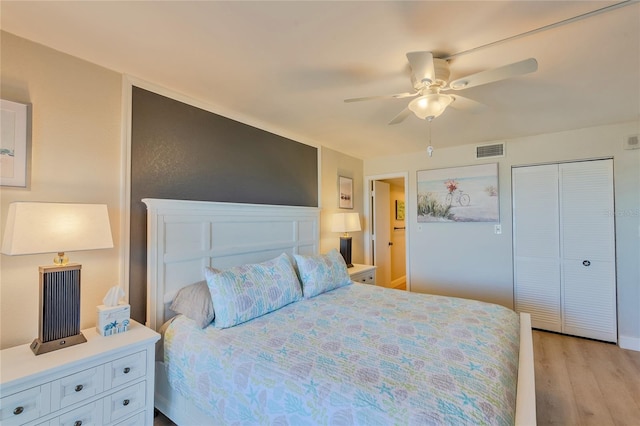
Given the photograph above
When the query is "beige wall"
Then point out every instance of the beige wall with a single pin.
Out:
(75, 157)
(336, 164)
(470, 260)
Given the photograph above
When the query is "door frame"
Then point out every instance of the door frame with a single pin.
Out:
(368, 223)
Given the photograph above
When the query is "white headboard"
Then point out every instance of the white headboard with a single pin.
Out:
(185, 236)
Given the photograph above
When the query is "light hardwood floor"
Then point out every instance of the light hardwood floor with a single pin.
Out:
(584, 382)
(578, 382)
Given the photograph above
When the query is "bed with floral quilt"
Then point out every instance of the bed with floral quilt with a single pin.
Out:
(292, 341)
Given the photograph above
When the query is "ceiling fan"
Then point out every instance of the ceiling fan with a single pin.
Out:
(430, 77)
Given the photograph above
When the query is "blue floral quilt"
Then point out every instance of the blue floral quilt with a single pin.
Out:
(357, 355)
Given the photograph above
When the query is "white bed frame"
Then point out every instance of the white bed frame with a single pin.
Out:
(185, 236)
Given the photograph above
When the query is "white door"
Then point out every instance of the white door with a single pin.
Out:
(536, 245)
(381, 233)
(588, 249)
(564, 247)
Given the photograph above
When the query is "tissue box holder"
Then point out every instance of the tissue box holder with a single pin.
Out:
(113, 319)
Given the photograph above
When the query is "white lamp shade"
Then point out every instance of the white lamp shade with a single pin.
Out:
(34, 227)
(430, 105)
(345, 222)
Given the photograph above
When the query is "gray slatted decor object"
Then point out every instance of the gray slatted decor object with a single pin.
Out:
(59, 304)
(59, 307)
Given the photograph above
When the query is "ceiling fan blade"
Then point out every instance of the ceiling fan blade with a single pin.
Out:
(395, 96)
(495, 74)
(466, 104)
(422, 66)
(401, 117)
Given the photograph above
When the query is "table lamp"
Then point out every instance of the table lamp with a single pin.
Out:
(345, 222)
(38, 227)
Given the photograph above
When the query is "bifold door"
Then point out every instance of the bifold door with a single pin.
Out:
(564, 247)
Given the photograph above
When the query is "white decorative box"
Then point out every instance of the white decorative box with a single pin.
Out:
(113, 319)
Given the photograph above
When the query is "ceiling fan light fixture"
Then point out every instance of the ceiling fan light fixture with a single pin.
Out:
(459, 84)
(430, 76)
(430, 105)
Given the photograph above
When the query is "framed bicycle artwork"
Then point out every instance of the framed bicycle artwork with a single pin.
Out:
(459, 194)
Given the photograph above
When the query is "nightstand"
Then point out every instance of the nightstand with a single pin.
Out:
(365, 274)
(107, 381)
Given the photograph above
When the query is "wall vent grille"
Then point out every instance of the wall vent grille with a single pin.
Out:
(490, 151)
(632, 142)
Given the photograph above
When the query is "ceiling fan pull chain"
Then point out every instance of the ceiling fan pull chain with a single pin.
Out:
(429, 148)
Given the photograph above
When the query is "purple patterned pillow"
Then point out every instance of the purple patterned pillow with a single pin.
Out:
(194, 301)
(248, 291)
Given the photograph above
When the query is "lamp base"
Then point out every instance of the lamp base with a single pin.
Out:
(39, 347)
(59, 324)
(345, 250)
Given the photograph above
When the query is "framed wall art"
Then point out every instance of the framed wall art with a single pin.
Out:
(459, 194)
(399, 210)
(345, 191)
(13, 144)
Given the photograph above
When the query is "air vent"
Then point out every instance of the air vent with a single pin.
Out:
(489, 151)
(632, 142)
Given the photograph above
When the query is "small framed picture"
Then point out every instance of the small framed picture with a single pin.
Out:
(399, 210)
(345, 192)
(13, 144)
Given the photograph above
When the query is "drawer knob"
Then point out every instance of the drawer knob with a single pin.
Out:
(18, 410)
(77, 423)
(125, 402)
(126, 370)
(79, 388)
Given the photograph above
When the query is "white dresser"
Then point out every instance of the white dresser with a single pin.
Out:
(365, 274)
(106, 381)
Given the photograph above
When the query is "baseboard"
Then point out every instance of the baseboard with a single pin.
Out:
(632, 343)
(399, 282)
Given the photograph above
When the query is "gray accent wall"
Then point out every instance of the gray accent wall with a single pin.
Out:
(179, 151)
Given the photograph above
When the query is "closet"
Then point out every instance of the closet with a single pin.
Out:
(564, 247)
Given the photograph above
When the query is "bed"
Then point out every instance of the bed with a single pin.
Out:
(355, 354)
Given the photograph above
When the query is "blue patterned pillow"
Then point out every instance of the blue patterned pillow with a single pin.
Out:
(248, 291)
(321, 273)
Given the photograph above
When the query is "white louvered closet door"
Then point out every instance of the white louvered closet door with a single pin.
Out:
(564, 247)
(588, 249)
(537, 245)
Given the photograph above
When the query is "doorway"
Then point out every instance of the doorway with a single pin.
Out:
(387, 229)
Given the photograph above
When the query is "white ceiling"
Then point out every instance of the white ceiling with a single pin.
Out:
(287, 66)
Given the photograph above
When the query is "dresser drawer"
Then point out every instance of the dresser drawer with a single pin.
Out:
(89, 414)
(366, 277)
(136, 420)
(77, 387)
(126, 369)
(124, 403)
(25, 406)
